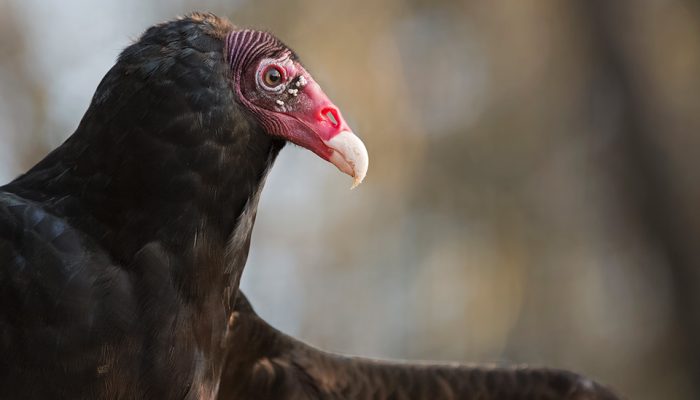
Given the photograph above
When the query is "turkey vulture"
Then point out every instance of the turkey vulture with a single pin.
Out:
(264, 363)
(122, 250)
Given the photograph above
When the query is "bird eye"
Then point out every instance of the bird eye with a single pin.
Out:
(272, 76)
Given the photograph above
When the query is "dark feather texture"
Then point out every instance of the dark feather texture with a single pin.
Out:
(120, 251)
(264, 363)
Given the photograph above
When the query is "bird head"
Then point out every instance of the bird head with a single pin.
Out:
(272, 84)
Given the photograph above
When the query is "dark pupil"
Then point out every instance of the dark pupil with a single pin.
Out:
(273, 76)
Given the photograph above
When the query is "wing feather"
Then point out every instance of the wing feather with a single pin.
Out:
(265, 363)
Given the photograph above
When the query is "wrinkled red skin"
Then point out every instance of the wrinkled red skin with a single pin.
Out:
(307, 119)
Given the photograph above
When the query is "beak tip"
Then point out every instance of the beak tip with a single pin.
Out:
(350, 156)
(359, 174)
(355, 183)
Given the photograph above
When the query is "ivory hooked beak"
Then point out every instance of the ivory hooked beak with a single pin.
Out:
(349, 155)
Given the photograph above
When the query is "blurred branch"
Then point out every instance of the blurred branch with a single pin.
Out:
(645, 178)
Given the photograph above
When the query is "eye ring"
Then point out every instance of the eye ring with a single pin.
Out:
(271, 77)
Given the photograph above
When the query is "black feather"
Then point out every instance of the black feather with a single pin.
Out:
(116, 253)
(263, 363)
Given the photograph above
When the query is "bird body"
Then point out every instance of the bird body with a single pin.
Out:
(121, 251)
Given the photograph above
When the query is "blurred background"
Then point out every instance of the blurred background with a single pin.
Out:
(533, 193)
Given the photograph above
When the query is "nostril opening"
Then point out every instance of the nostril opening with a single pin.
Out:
(331, 115)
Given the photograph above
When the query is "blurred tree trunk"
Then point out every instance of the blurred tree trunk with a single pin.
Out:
(26, 111)
(647, 175)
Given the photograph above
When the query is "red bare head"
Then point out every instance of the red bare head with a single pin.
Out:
(271, 83)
